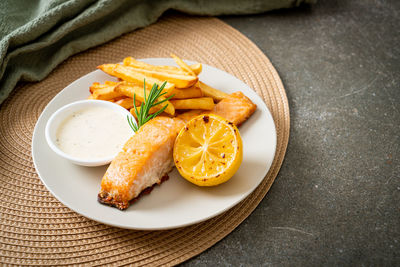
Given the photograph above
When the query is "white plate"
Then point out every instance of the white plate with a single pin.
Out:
(176, 202)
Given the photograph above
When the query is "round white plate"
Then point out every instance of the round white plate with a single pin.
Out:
(176, 202)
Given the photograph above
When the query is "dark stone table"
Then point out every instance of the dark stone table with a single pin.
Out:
(336, 200)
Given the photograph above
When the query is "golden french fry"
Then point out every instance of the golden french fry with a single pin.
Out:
(129, 90)
(127, 102)
(132, 111)
(130, 75)
(106, 93)
(206, 103)
(182, 65)
(151, 111)
(191, 92)
(90, 96)
(188, 115)
(207, 90)
(109, 69)
(180, 81)
(96, 86)
(110, 83)
(130, 61)
(196, 68)
(119, 98)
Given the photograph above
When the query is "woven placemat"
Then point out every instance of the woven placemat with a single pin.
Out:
(36, 229)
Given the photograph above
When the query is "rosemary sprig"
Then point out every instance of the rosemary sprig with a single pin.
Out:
(143, 115)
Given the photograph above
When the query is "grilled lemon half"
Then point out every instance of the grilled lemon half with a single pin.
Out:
(208, 150)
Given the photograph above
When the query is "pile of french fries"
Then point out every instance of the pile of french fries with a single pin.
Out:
(182, 83)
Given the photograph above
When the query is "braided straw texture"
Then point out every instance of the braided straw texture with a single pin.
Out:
(36, 229)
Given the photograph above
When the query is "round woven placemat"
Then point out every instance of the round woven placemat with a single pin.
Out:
(36, 229)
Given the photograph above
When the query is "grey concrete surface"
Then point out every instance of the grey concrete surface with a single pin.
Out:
(336, 200)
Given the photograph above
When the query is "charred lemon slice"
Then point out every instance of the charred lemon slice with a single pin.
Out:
(208, 150)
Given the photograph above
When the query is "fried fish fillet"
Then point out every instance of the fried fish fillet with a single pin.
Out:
(144, 160)
(236, 108)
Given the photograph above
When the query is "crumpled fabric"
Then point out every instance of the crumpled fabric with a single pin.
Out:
(36, 36)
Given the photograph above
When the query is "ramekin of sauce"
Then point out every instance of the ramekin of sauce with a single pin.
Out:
(88, 132)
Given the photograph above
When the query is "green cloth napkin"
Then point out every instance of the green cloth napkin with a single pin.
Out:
(37, 35)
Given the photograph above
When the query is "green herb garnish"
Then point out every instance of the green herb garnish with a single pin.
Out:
(143, 115)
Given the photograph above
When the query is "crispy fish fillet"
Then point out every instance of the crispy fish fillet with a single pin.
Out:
(143, 162)
(236, 108)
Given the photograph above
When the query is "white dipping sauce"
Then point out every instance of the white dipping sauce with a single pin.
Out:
(93, 133)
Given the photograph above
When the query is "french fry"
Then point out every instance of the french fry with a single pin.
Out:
(207, 90)
(107, 93)
(90, 96)
(110, 83)
(206, 103)
(188, 115)
(130, 89)
(96, 86)
(132, 111)
(182, 65)
(119, 98)
(127, 102)
(151, 111)
(191, 92)
(130, 61)
(130, 75)
(180, 80)
(196, 68)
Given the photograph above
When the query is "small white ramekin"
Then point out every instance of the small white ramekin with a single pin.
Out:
(61, 114)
